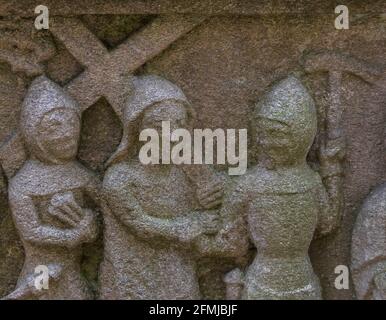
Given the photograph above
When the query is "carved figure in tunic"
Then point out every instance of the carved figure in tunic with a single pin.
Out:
(152, 220)
(281, 203)
(49, 196)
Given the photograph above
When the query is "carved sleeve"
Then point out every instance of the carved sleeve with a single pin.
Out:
(126, 207)
(233, 238)
(93, 190)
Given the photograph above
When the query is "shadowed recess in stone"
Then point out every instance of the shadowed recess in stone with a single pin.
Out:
(113, 29)
(100, 135)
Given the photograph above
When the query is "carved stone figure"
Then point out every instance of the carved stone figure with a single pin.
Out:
(181, 231)
(368, 248)
(152, 219)
(281, 203)
(49, 195)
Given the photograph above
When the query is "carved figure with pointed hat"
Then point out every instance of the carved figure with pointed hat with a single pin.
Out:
(152, 219)
(50, 196)
(280, 204)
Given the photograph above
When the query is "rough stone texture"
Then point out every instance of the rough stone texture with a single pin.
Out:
(224, 57)
(48, 195)
(285, 201)
(368, 247)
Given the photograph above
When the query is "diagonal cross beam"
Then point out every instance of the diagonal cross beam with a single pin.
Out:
(106, 71)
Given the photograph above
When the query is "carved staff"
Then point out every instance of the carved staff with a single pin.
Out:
(332, 149)
(336, 65)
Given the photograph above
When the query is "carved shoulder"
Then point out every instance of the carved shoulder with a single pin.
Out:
(375, 203)
(238, 188)
(18, 185)
(371, 219)
(116, 176)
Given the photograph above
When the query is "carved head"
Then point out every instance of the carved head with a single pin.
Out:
(285, 123)
(154, 100)
(167, 110)
(50, 122)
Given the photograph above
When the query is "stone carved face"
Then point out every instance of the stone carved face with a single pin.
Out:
(50, 122)
(168, 110)
(59, 132)
(273, 137)
(154, 100)
(285, 123)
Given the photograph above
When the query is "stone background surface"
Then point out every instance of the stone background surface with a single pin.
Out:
(223, 66)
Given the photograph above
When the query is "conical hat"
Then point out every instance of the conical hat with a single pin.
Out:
(289, 102)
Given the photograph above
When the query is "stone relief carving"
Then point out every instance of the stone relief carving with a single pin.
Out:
(280, 204)
(160, 221)
(25, 51)
(24, 48)
(148, 221)
(48, 195)
(104, 75)
(368, 247)
(151, 216)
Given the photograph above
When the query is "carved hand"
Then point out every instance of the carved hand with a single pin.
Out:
(201, 223)
(210, 195)
(210, 222)
(64, 208)
(331, 153)
(223, 242)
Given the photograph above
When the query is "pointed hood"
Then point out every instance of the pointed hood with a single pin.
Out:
(42, 97)
(289, 102)
(147, 90)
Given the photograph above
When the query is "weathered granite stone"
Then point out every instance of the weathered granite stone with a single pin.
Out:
(105, 69)
(151, 216)
(48, 195)
(280, 203)
(368, 247)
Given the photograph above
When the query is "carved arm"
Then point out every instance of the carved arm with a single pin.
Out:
(27, 222)
(126, 207)
(233, 238)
